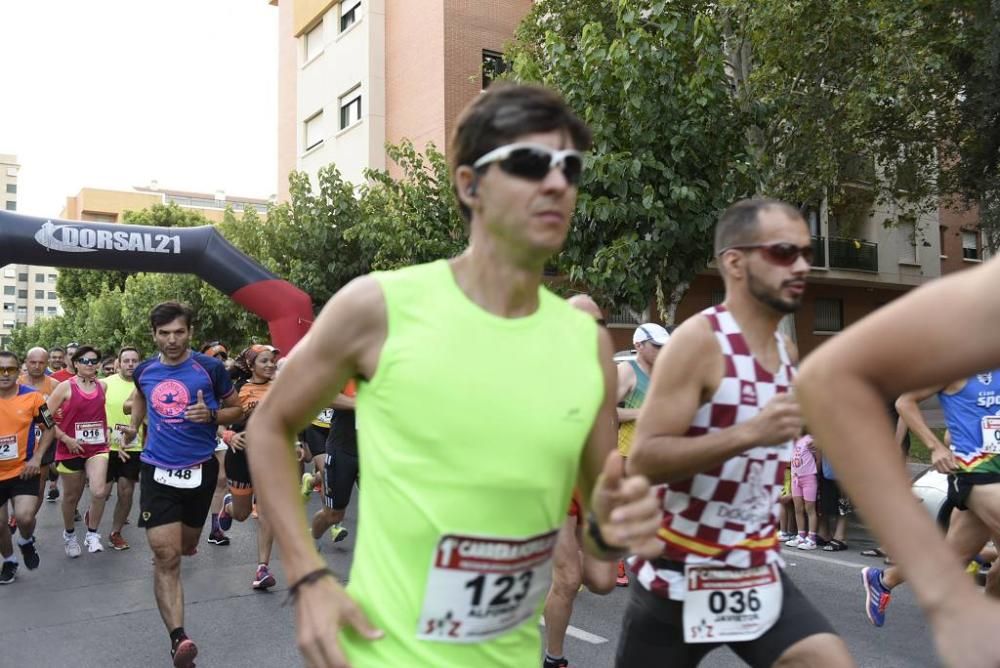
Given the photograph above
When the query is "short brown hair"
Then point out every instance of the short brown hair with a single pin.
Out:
(738, 224)
(503, 113)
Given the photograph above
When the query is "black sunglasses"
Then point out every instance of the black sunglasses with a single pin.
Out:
(534, 161)
(89, 361)
(782, 254)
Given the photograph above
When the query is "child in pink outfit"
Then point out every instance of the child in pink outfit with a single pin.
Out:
(805, 482)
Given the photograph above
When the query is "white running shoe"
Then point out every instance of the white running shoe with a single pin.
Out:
(795, 541)
(783, 536)
(807, 545)
(72, 545)
(93, 543)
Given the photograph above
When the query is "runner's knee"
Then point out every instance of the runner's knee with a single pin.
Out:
(823, 650)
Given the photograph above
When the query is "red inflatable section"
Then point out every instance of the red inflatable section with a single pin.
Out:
(287, 309)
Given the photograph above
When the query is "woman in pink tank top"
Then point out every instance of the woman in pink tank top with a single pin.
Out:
(82, 444)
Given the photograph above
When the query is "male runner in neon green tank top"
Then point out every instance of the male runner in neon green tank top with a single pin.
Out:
(468, 467)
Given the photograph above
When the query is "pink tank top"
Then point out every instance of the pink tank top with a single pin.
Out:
(84, 419)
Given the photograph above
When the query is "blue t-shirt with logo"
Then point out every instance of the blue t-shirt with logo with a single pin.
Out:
(172, 441)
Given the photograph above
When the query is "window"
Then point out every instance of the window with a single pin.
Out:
(22, 278)
(9, 272)
(9, 324)
(52, 310)
(39, 278)
(53, 278)
(350, 107)
(9, 290)
(53, 296)
(908, 242)
(12, 188)
(39, 310)
(970, 245)
(942, 235)
(22, 311)
(314, 130)
(22, 294)
(350, 12)
(493, 66)
(11, 206)
(621, 316)
(12, 171)
(8, 306)
(314, 42)
(829, 315)
(39, 294)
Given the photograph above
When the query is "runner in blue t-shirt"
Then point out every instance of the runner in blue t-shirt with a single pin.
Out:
(184, 396)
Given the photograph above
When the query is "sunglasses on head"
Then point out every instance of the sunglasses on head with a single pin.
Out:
(534, 161)
(89, 361)
(782, 254)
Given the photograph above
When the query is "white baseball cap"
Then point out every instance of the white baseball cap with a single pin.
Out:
(650, 331)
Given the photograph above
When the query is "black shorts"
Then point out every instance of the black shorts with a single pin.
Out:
(960, 486)
(119, 469)
(653, 632)
(50, 455)
(18, 487)
(161, 504)
(832, 502)
(339, 478)
(238, 472)
(315, 439)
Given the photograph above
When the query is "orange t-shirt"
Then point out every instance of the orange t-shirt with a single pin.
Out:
(17, 433)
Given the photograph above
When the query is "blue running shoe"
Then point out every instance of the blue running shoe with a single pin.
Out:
(877, 596)
(225, 519)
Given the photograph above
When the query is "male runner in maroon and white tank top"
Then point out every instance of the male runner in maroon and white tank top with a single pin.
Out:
(82, 443)
(717, 427)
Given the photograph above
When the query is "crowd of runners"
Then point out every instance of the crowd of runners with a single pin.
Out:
(506, 459)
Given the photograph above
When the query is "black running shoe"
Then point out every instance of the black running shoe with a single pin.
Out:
(30, 554)
(53, 494)
(8, 573)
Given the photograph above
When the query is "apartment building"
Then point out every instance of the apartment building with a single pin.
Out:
(354, 74)
(107, 206)
(27, 293)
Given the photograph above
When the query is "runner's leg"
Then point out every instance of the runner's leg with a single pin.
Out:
(97, 480)
(966, 535)
(6, 546)
(126, 492)
(165, 541)
(567, 575)
(823, 650)
(72, 491)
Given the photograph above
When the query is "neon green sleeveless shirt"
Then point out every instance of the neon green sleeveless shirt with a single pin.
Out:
(470, 437)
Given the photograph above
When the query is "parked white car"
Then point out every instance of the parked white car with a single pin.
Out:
(931, 487)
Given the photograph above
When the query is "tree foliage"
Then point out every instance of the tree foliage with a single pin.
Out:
(649, 78)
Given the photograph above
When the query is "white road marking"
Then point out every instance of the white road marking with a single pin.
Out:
(790, 558)
(580, 634)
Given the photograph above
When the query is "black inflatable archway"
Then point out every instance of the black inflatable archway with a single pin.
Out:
(177, 250)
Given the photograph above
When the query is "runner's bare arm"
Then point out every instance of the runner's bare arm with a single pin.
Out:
(950, 326)
(626, 381)
(344, 402)
(230, 410)
(127, 406)
(625, 507)
(345, 341)
(687, 371)
(909, 412)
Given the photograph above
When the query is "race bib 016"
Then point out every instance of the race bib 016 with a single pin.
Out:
(8, 448)
(481, 587)
(90, 433)
(991, 434)
(730, 604)
(180, 478)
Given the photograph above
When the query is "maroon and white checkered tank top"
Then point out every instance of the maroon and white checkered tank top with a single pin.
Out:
(727, 516)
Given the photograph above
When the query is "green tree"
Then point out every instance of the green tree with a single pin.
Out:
(412, 219)
(649, 78)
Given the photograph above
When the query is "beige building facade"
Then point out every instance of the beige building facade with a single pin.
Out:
(108, 206)
(27, 293)
(355, 74)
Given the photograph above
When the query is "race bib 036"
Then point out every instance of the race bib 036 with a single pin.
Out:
(481, 587)
(730, 604)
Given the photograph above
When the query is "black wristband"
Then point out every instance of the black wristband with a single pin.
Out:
(215, 415)
(307, 579)
(594, 530)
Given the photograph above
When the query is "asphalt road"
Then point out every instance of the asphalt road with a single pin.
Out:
(99, 611)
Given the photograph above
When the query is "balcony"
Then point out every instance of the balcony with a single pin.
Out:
(853, 254)
(819, 251)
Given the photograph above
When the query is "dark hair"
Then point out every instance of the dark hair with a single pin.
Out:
(106, 360)
(55, 348)
(738, 224)
(503, 113)
(83, 350)
(125, 349)
(9, 353)
(167, 312)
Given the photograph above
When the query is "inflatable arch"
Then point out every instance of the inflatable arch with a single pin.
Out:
(201, 251)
